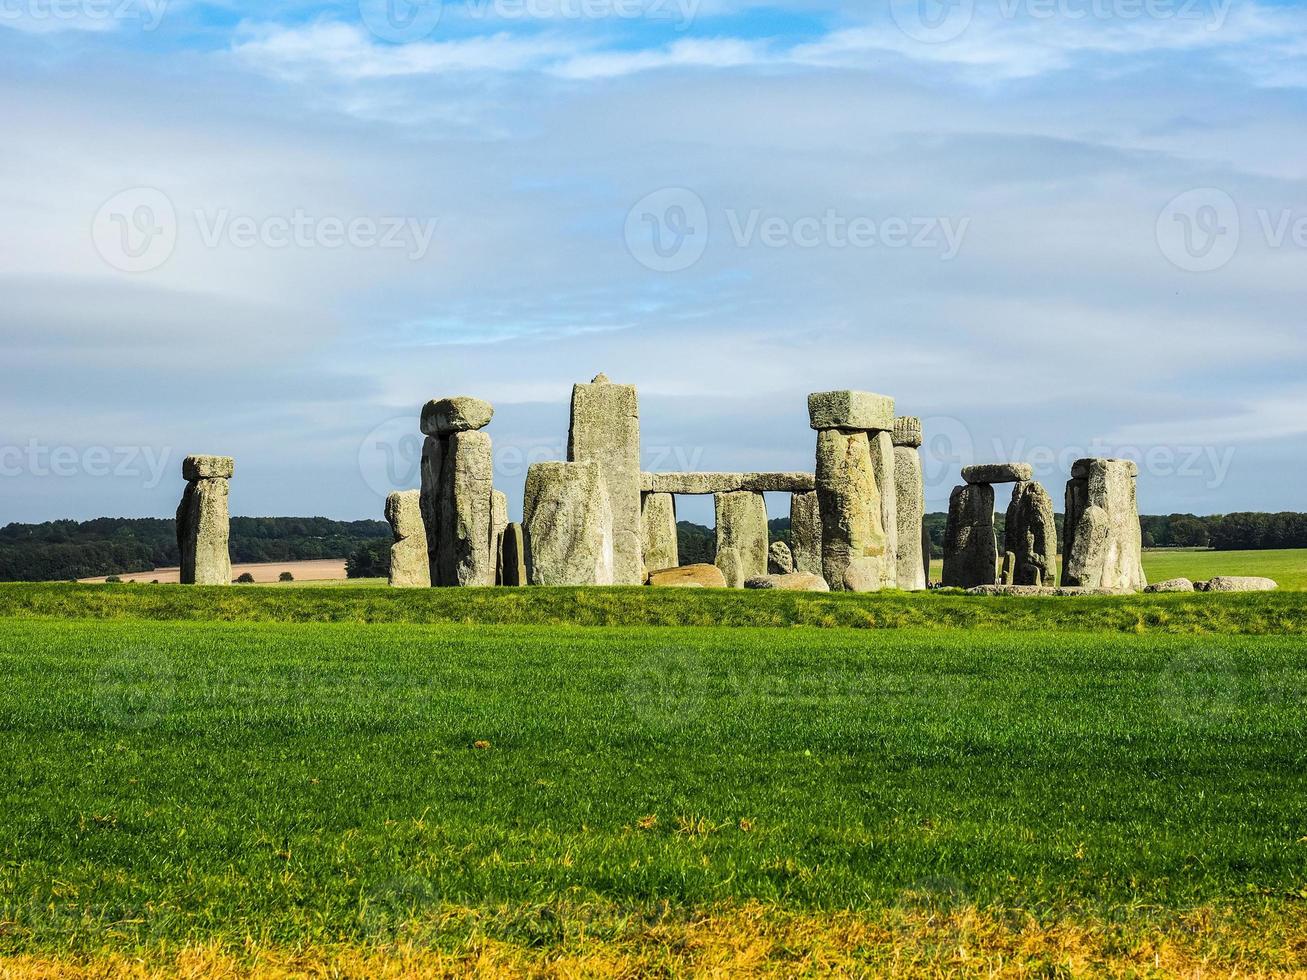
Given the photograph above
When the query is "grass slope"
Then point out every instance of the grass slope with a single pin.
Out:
(280, 786)
(1287, 567)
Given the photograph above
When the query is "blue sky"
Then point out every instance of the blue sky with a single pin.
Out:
(1049, 227)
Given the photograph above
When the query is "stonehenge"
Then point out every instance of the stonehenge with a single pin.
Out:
(702, 484)
(567, 523)
(791, 582)
(513, 557)
(457, 500)
(409, 566)
(780, 559)
(1103, 545)
(970, 550)
(805, 532)
(203, 523)
(913, 568)
(658, 527)
(689, 577)
(1030, 536)
(742, 547)
(605, 428)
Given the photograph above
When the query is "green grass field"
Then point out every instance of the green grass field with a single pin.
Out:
(200, 780)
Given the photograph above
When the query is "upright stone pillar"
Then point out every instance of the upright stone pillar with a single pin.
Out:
(805, 532)
(659, 548)
(741, 536)
(498, 525)
(1030, 536)
(203, 523)
(881, 445)
(514, 564)
(462, 506)
(970, 549)
(1103, 546)
(568, 525)
(409, 566)
(910, 491)
(605, 428)
(855, 544)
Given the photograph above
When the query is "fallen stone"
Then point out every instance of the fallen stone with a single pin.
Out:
(849, 501)
(409, 566)
(204, 525)
(514, 567)
(1240, 583)
(703, 484)
(1171, 585)
(998, 473)
(741, 529)
(805, 532)
(1014, 590)
(970, 549)
(659, 548)
(881, 445)
(1080, 590)
(780, 560)
(464, 556)
(688, 577)
(907, 432)
(793, 582)
(568, 525)
(605, 428)
(1030, 536)
(852, 410)
(445, 416)
(1103, 541)
(208, 468)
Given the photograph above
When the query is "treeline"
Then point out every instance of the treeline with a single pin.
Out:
(61, 550)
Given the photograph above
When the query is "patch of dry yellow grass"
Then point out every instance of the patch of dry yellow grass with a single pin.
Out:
(760, 940)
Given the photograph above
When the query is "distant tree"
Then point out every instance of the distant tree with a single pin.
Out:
(245, 578)
(114, 579)
(285, 577)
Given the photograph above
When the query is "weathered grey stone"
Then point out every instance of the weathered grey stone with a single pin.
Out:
(970, 549)
(805, 532)
(853, 410)
(1030, 536)
(434, 449)
(1239, 583)
(1015, 590)
(998, 473)
(741, 536)
(498, 525)
(1103, 541)
(568, 525)
(1171, 585)
(659, 548)
(927, 548)
(464, 557)
(409, 565)
(702, 484)
(1005, 576)
(208, 468)
(907, 432)
(605, 428)
(688, 577)
(864, 575)
(780, 559)
(514, 560)
(910, 509)
(1080, 590)
(849, 500)
(792, 582)
(462, 413)
(203, 528)
(881, 445)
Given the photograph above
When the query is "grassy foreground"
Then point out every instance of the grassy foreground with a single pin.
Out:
(369, 799)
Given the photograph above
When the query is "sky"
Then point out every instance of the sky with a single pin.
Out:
(1050, 228)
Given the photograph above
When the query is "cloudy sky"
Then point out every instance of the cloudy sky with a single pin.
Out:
(1051, 228)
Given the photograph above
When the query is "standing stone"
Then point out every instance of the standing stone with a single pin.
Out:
(498, 525)
(927, 550)
(910, 509)
(1005, 577)
(883, 464)
(434, 450)
(805, 532)
(466, 505)
(849, 501)
(658, 523)
(514, 561)
(741, 536)
(568, 525)
(409, 566)
(1030, 535)
(1104, 547)
(970, 549)
(203, 524)
(780, 559)
(605, 429)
